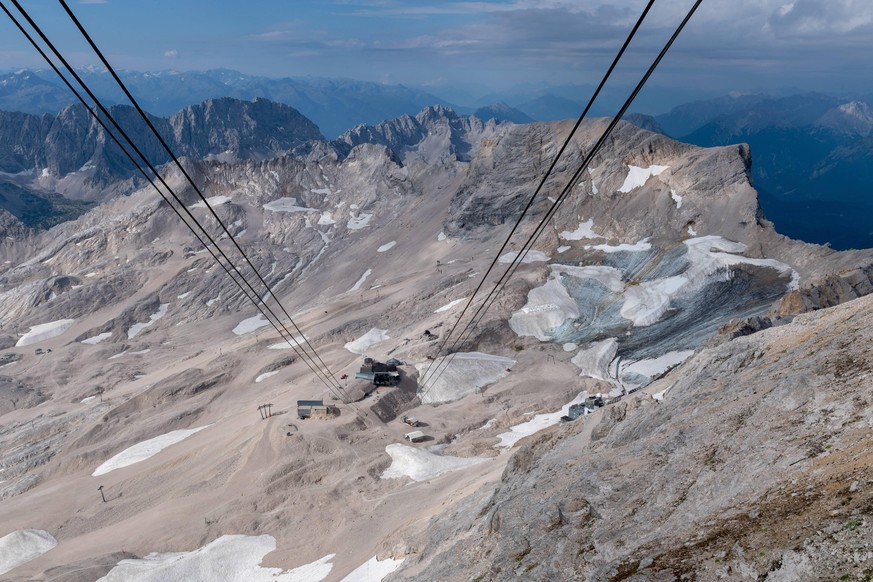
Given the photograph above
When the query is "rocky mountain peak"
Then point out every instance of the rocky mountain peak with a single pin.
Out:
(854, 117)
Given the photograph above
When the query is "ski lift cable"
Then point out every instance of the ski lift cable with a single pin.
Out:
(542, 183)
(187, 176)
(510, 270)
(149, 178)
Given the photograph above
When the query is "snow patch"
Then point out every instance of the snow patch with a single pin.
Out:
(286, 205)
(584, 230)
(676, 198)
(465, 373)
(442, 236)
(643, 245)
(637, 176)
(448, 306)
(264, 376)
(230, 557)
(366, 341)
(594, 359)
(563, 248)
(97, 338)
(386, 247)
(251, 324)
(530, 256)
(44, 331)
(360, 282)
(373, 570)
(358, 222)
(144, 450)
(325, 219)
(422, 465)
(213, 201)
(138, 327)
(22, 546)
(536, 424)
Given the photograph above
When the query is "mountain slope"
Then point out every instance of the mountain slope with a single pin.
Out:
(756, 463)
(373, 247)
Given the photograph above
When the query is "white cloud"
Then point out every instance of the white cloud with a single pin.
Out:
(171, 54)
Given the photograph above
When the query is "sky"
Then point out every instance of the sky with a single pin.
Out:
(478, 47)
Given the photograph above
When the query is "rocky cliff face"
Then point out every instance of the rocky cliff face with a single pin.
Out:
(70, 152)
(755, 464)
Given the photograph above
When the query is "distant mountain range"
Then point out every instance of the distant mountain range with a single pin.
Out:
(335, 105)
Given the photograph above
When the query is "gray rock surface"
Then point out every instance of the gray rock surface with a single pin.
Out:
(745, 469)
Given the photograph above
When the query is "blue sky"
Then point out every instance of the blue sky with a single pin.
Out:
(479, 46)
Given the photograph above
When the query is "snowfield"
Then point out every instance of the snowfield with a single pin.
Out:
(230, 558)
(286, 205)
(584, 230)
(637, 176)
(550, 306)
(386, 247)
(326, 219)
(213, 202)
(97, 338)
(466, 373)
(44, 331)
(358, 222)
(594, 359)
(373, 570)
(22, 546)
(422, 465)
(536, 424)
(530, 256)
(145, 450)
(640, 246)
(251, 324)
(366, 341)
(283, 345)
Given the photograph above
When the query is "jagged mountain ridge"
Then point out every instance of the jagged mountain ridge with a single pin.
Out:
(71, 140)
(57, 161)
(348, 235)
